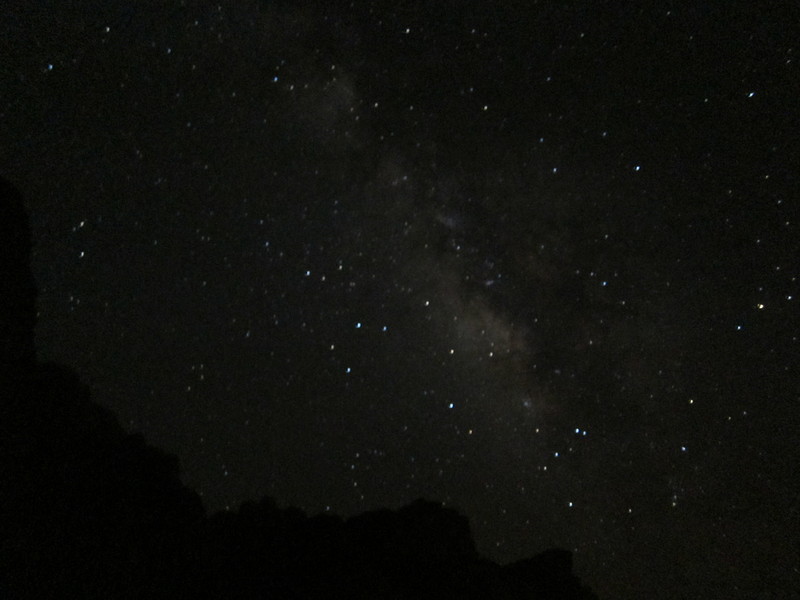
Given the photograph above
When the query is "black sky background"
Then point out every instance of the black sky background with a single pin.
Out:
(536, 260)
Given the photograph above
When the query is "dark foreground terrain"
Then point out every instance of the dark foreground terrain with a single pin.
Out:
(88, 511)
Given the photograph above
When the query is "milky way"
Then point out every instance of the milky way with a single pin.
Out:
(537, 264)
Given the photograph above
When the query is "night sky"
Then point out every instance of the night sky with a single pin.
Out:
(538, 261)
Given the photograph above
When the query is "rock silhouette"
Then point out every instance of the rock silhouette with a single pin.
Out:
(88, 511)
(18, 298)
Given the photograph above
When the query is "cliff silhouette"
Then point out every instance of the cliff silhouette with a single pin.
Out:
(89, 511)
